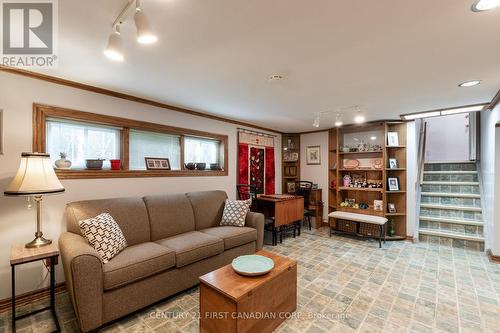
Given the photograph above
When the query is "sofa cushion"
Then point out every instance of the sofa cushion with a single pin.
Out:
(233, 236)
(170, 215)
(129, 213)
(137, 262)
(104, 235)
(208, 207)
(193, 246)
(235, 212)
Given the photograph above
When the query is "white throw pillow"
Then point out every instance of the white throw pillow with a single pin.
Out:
(235, 212)
(104, 235)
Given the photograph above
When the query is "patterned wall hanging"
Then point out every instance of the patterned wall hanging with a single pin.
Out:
(256, 160)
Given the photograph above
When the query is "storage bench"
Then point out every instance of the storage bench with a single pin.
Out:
(359, 224)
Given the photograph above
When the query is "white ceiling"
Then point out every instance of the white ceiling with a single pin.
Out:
(390, 56)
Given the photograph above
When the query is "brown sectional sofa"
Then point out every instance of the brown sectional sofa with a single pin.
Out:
(172, 240)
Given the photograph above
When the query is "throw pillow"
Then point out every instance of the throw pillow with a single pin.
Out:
(104, 235)
(235, 212)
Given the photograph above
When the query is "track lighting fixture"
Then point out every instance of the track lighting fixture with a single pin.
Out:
(145, 34)
(317, 121)
(338, 120)
(359, 118)
(114, 49)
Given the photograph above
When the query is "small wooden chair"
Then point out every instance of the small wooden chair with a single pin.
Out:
(303, 188)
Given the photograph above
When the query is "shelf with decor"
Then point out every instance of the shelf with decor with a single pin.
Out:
(365, 156)
(290, 162)
(395, 195)
(332, 170)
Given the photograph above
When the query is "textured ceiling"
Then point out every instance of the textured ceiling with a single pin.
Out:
(389, 56)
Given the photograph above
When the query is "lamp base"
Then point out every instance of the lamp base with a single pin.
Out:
(39, 241)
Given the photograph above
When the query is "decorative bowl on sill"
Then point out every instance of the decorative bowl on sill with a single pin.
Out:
(94, 164)
(190, 166)
(215, 166)
(201, 166)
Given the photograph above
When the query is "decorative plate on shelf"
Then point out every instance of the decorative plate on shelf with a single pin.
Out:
(351, 164)
(252, 265)
(377, 163)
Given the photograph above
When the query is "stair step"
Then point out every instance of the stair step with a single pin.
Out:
(451, 195)
(451, 183)
(450, 220)
(450, 162)
(450, 172)
(451, 207)
(448, 234)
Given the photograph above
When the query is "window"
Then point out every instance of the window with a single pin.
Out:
(81, 141)
(151, 144)
(84, 135)
(201, 150)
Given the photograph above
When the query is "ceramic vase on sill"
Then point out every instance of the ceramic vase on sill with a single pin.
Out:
(63, 163)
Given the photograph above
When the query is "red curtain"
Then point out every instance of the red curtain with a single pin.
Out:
(243, 163)
(270, 182)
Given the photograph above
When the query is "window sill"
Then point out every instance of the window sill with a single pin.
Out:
(95, 174)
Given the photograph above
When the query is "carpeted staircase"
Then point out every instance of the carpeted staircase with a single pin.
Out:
(450, 205)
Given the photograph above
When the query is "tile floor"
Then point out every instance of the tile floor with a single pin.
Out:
(348, 285)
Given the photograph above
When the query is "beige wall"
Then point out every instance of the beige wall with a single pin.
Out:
(17, 94)
(318, 174)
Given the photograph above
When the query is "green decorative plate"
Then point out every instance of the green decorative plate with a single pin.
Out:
(252, 265)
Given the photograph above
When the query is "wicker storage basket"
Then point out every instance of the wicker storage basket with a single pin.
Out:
(368, 229)
(346, 226)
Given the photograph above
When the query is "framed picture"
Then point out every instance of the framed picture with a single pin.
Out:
(290, 187)
(290, 171)
(393, 183)
(313, 155)
(393, 163)
(391, 207)
(157, 163)
(350, 202)
(378, 205)
(392, 139)
(289, 156)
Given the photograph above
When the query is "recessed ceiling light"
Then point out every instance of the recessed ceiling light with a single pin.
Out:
(482, 5)
(469, 83)
(373, 138)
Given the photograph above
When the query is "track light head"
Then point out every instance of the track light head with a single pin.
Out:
(114, 49)
(145, 34)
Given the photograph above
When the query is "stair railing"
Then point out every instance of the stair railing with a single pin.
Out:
(421, 153)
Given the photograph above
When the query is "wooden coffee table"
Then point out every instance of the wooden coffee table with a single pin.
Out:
(230, 302)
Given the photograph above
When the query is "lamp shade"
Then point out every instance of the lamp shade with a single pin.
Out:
(35, 176)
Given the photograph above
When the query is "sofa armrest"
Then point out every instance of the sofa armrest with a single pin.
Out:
(256, 221)
(84, 279)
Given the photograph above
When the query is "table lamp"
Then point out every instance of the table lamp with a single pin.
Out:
(35, 178)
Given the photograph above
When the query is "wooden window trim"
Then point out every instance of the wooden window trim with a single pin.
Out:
(42, 112)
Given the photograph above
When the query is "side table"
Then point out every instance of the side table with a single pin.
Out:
(21, 255)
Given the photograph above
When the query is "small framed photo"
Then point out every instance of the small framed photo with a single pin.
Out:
(313, 155)
(393, 183)
(350, 202)
(392, 139)
(378, 205)
(393, 163)
(290, 187)
(391, 207)
(157, 163)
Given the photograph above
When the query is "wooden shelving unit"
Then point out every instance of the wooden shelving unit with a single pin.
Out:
(290, 159)
(333, 169)
(374, 133)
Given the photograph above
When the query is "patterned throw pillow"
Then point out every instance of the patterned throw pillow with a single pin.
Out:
(235, 212)
(104, 235)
